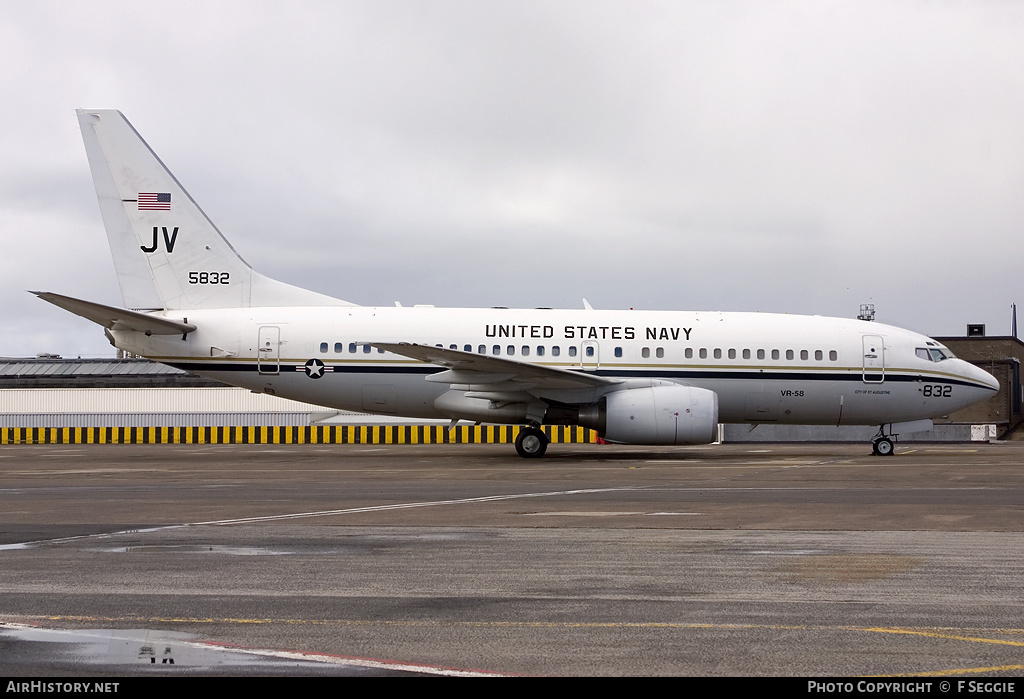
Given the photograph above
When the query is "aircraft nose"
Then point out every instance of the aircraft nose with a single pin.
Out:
(982, 377)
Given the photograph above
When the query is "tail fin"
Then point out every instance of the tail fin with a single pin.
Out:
(167, 253)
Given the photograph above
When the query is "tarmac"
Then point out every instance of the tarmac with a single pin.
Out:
(810, 560)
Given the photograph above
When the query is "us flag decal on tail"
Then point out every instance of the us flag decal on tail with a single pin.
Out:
(150, 201)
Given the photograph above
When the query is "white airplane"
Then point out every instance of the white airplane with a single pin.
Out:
(637, 377)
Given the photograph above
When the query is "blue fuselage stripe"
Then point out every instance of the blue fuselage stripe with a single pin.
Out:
(679, 374)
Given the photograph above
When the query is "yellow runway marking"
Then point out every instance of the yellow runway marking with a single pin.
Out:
(953, 673)
(951, 637)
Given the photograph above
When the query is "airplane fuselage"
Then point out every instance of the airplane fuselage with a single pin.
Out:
(765, 368)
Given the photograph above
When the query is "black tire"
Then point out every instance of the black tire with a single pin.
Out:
(531, 443)
(883, 447)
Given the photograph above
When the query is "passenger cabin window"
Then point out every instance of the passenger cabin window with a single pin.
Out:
(482, 349)
(526, 350)
(789, 354)
(775, 354)
(338, 347)
(352, 348)
(323, 348)
(732, 354)
(496, 350)
(540, 350)
(555, 351)
(660, 352)
(703, 353)
(572, 351)
(618, 351)
(818, 355)
(760, 354)
(833, 356)
(646, 352)
(746, 354)
(689, 353)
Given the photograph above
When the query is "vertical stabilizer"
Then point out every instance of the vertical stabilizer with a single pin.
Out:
(168, 254)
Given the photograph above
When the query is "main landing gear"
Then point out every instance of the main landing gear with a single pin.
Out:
(531, 443)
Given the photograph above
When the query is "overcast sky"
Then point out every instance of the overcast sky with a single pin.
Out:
(762, 156)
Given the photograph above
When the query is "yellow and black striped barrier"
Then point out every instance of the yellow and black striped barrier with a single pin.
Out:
(308, 434)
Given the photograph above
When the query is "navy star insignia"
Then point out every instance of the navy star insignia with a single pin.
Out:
(314, 368)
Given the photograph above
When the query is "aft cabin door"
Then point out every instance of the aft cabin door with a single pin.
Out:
(268, 352)
(874, 358)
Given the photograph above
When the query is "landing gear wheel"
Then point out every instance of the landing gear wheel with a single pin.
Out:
(883, 446)
(531, 443)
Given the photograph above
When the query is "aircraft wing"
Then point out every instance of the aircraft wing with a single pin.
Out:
(480, 369)
(114, 318)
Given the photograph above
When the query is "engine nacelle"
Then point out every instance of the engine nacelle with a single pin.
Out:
(661, 415)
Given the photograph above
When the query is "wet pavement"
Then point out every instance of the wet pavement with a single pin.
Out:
(303, 560)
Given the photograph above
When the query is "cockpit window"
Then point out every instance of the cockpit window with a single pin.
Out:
(931, 354)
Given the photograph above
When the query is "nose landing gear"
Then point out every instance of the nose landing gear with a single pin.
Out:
(883, 446)
(884, 442)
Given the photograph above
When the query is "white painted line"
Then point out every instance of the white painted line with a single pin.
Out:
(319, 513)
(103, 535)
(357, 662)
(581, 513)
(407, 505)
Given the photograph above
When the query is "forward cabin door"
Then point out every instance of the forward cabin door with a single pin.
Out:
(874, 358)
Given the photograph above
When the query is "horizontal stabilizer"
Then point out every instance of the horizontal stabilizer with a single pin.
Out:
(113, 318)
